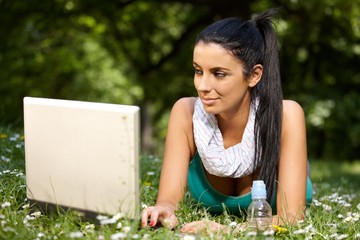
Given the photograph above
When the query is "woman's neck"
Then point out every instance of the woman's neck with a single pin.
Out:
(232, 125)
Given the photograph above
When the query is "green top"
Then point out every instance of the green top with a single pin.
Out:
(217, 202)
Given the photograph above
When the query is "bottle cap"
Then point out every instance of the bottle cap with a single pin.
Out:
(258, 189)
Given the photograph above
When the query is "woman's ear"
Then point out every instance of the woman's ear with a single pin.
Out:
(256, 74)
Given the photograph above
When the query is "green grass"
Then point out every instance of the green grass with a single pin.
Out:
(334, 213)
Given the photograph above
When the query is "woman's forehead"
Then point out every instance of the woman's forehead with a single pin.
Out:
(213, 53)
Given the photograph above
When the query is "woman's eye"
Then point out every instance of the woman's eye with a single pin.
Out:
(197, 71)
(220, 74)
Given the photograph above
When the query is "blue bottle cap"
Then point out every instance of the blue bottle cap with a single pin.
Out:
(258, 189)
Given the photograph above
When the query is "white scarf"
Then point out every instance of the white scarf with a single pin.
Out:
(236, 161)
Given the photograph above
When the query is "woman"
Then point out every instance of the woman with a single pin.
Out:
(237, 130)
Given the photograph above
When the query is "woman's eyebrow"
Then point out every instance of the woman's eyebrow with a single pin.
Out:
(219, 68)
(195, 64)
(213, 68)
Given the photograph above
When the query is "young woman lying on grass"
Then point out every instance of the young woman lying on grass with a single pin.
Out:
(237, 130)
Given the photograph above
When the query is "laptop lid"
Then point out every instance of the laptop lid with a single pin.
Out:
(82, 155)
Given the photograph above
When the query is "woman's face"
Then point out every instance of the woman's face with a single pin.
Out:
(219, 79)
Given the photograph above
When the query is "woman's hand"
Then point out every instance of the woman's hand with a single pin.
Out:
(207, 226)
(159, 214)
(204, 226)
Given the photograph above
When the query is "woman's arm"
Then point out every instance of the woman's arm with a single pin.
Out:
(179, 148)
(291, 193)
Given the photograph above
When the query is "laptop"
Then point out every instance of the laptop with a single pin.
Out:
(82, 155)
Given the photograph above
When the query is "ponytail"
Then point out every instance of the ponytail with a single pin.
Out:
(268, 92)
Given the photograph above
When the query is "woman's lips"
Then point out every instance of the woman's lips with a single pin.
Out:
(209, 101)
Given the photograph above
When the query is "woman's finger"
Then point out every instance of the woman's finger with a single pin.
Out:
(145, 216)
(154, 217)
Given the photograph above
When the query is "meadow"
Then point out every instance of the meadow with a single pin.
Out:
(333, 214)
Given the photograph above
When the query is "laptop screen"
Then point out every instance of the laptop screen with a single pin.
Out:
(82, 155)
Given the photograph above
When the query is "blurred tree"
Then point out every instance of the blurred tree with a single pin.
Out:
(140, 52)
(320, 50)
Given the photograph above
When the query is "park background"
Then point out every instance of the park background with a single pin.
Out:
(140, 52)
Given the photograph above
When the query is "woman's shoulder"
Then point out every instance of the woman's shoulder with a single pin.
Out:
(180, 122)
(292, 109)
(185, 105)
(293, 115)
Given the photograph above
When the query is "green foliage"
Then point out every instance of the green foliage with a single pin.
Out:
(320, 64)
(140, 52)
(53, 53)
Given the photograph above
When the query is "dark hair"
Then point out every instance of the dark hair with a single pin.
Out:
(254, 42)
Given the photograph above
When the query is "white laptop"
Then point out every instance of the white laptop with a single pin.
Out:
(82, 155)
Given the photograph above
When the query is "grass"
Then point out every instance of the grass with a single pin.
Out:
(334, 214)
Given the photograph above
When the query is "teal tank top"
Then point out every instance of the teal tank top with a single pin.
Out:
(216, 202)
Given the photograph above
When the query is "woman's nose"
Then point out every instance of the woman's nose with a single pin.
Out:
(203, 83)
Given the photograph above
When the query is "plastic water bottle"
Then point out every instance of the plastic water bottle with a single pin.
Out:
(259, 213)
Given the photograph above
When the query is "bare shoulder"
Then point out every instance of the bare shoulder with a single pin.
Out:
(293, 115)
(180, 128)
(292, 109)
(182, 112)
(184, 106)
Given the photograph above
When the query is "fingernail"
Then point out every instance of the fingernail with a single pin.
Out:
(191, 230)
(152, 223)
